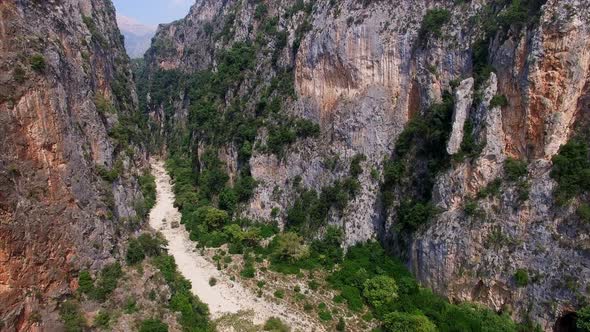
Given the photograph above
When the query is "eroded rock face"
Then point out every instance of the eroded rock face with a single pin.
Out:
(57, 215)
(362, 72)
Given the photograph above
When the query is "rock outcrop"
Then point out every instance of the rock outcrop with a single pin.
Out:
(362, 70)
(65, 91)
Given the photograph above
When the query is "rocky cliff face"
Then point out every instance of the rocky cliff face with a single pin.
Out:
(518, 77)
(68, 191)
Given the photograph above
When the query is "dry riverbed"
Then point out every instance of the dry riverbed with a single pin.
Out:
(228, 299)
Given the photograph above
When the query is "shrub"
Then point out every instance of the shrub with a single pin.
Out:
(313, 285)
(355, 165)
(583, 322)
(471, 207)
(279, 293)
(37, 62)
(147, 183)
(249, 271)
(380, 291)
(341, 326)
(151, 244)
(109, 175)
(228, 200)
(306, 128)
(492, 189)
(134, 252)
(404, 322)
(413, 215)
(212, 281)
(571, 170)
(521, 278)
(144, 245)
(130, 305)
(353, 298)
(480, 58)
(289, 247)
(212, 218)
(85, 283)
(72, 317)
(107, 281)
(275, 324)
(420, 155)
(433, 22)
(520, 13)
(103, 105)
(194, 313)
(325, 315)
(244, 187)
(523, 189)
(515, 169)
(583, 212)
(102, 320)
(499, 101)
(261, 10)
(153, 325)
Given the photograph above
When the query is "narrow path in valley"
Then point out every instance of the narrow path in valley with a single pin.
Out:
(226, 296)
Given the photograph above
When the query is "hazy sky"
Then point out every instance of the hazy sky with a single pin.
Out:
(153, 11)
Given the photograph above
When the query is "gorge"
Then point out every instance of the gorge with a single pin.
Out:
(342, 165)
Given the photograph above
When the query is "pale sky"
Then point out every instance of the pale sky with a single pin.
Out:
(153, 11)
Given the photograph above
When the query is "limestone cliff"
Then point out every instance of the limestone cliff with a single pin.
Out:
(68, 187)
(518, 86)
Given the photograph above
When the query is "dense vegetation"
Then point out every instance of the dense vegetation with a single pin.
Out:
(583, 322)
(309, 212)
(419, 155)
(571, 170)
(194, 315)
(432, 23)
(104, 285)
(370, 277)
(209, 202)
(496, 19)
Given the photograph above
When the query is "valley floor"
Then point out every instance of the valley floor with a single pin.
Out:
(226, 298)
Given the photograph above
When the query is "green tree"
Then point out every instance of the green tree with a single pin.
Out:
(274, 324)
(151, 244)
(341, 326)
(228, 200)
(583, 322)
(404, 322)
(380, 291)
(153, 325)
(71, 316)
(37, 63)
(213, 218)
(290, 247)
(134, 252)
(433, 22)
(515, 169)
(521, 278)
(85, 283)
(102, 320)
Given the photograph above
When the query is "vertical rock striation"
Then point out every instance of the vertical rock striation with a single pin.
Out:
(361, 71)
(65, 90)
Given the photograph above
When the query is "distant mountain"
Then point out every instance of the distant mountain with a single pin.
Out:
(138, 36)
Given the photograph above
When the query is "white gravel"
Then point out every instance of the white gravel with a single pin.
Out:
(226, 296)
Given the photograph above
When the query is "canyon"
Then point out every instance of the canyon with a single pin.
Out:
(453, 133)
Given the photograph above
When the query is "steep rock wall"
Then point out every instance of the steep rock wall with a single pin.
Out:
(65, 85)
(362, 70)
